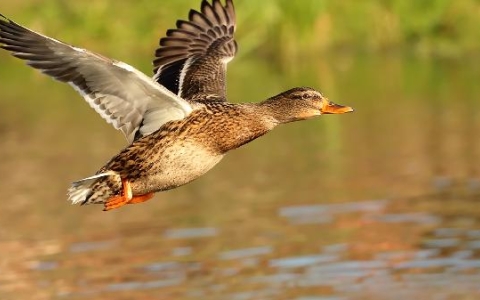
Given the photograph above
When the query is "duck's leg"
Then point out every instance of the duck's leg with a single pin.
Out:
(121, 200)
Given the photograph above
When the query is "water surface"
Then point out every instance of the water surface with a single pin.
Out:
(379, 204)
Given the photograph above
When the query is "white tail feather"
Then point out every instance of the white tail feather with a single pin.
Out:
(80, 190)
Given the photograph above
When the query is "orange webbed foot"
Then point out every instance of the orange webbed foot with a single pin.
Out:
(126, 197)
(118, 201)
(115, 202)
(141, 198)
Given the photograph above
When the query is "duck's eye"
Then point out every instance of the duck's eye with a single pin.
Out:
(305, 96)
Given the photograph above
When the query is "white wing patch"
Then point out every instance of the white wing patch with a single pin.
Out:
(187, 64)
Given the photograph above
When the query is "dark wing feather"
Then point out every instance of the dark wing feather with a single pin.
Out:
(192, 59)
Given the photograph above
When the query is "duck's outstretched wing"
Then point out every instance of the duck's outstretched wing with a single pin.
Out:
(192, 59)
(126, 98)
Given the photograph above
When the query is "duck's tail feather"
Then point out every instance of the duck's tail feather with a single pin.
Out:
(81, 191)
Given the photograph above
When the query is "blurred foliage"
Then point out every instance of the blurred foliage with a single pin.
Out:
(283, 30)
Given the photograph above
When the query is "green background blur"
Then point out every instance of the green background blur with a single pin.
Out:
(281, 29)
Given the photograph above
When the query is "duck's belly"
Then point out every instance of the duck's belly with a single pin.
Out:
(175, 166)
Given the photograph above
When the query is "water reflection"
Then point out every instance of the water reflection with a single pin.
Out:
(434, 263)
(291, 216)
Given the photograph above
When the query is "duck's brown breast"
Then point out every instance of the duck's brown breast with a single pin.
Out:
(176, 165)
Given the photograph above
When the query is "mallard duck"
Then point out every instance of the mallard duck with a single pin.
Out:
(178, 124)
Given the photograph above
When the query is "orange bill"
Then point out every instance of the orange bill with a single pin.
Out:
(332, 108)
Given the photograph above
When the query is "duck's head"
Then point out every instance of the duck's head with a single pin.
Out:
(302, 103)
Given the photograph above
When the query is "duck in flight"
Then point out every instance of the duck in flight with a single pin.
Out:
(178, 124)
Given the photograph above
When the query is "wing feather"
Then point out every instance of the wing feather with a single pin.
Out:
(192, 59)
(126, 98)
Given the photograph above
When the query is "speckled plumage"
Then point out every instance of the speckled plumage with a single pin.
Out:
(178, 124)
(181, 151)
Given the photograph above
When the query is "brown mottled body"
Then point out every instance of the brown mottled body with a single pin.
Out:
(181, 151)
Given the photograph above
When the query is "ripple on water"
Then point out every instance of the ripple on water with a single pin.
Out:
(402, 255)
(474, 184)
(448, 232)
(428, 263)
(467, 264)
(250, 262)
(139, 285)
(162, 266)
(473, 233)
(92, 246)
(344, 276)
(311, 219)
(442, 243)
(245, 252)
(319, 209)
(315, 279)
(279, 278)
(182, 251)
(302, 261)
(335, 248)
(348, 268)
(268, 293)
(418, 218)
(382, 282)
(228, 272)
(325, 213)
(43, 265)
(463, 254)
(392, 255)
(320, 298)
(473, 245)
(185, 233)
(426, 253)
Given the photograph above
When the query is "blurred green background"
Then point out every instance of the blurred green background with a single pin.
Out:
(282, 28)
(378, 204)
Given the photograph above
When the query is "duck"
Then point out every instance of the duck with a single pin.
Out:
(178, 124)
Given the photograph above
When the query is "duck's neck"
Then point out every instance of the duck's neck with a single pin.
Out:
(278, 110)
